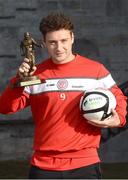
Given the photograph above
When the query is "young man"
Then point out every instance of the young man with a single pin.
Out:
(65, 144)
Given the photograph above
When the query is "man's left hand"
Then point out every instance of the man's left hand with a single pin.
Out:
(110, 122)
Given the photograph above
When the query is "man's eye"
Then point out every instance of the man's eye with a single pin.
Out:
(64, 40)
(52, 42)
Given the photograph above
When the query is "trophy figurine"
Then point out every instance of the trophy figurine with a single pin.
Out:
(27, 46)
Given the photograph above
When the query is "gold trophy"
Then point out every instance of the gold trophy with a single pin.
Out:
(27, 46)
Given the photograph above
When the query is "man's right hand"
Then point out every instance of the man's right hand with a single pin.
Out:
(25, 68)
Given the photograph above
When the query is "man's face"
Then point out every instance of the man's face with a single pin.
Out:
(59, 45)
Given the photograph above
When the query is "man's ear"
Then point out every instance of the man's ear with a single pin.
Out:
(72, 36)
(44, 44)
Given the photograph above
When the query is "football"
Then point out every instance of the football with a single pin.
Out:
(97, 104)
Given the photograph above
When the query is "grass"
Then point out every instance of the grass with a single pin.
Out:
(20, 169)
(14, 169)
(115, 170)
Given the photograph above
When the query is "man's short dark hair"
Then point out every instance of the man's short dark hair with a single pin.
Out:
(55, 21)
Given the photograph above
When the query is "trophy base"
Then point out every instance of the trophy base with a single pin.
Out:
(28, 81)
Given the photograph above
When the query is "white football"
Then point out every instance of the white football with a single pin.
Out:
(97, 104)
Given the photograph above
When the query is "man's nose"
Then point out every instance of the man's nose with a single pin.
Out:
(59, 46)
